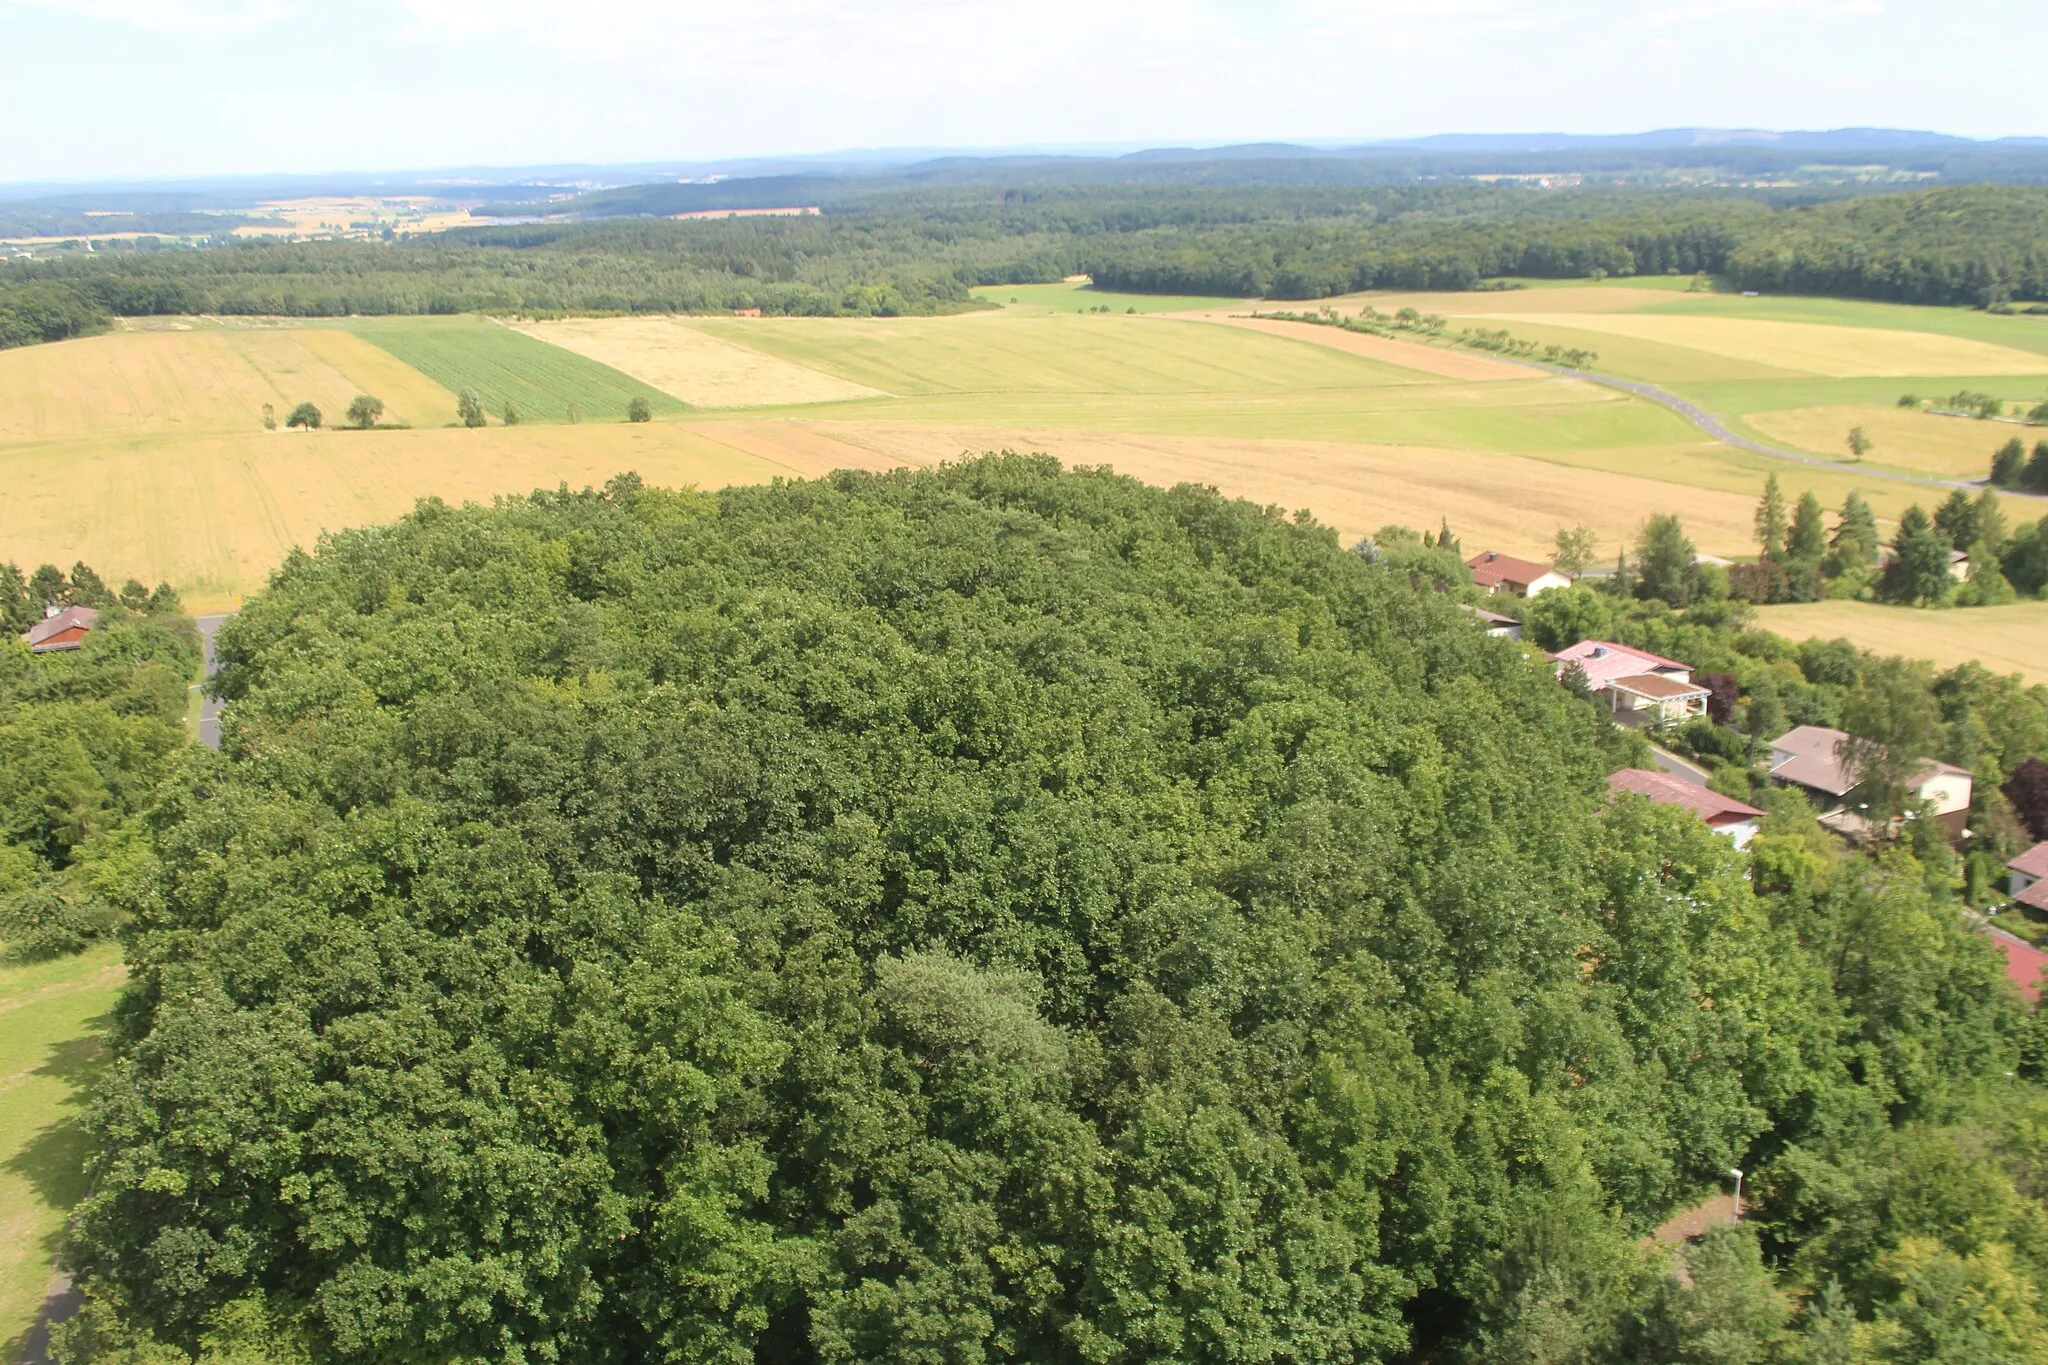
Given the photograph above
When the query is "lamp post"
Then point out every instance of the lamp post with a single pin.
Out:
(1738, 1193)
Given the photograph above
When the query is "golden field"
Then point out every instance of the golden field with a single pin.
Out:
(2009, 639)
(142, 452)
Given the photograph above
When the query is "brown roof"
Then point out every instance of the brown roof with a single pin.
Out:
(71, 618)
(1492, 618)
(2035, 896)
(1667, 790)
(1657, 687)
(2034, 862)
(1490, 566)
(1816, 761)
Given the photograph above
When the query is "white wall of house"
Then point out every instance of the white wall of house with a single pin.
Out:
(1739, 833)
(1547, 582)
(1950, 792)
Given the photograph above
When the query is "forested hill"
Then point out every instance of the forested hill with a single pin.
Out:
(921, 250)
(991, 914)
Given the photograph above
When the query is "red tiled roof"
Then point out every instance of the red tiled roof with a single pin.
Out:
(2034, 897)
(1667, 790)
(2034, 862)
(1489, 567)
(2025, 965)
(71, 618)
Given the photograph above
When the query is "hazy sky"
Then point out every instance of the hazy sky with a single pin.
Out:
(144, 88)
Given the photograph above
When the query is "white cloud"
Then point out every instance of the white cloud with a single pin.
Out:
(203, 18)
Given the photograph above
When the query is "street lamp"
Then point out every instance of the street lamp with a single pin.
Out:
(1738, 1193)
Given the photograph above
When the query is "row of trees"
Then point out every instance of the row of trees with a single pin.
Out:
(917, 250)
(2011, 467)
(998, 912)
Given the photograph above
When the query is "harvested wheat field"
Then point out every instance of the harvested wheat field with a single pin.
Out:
(689, 363)
(131, 383)
(2009, 639)
(1799, 347)
(1947, 447)
(1445, 362)
(215, 514)
(1504, 502)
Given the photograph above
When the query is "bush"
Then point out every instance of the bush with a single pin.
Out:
(639, 411)
(469, 409)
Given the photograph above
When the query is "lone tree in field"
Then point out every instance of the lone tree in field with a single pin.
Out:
(639, 411)
(470, 408)
(305, 416)
(1859, 443)
(511, 415)
(269, 418)
(365, 411)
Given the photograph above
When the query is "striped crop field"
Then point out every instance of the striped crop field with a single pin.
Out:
(545, 383)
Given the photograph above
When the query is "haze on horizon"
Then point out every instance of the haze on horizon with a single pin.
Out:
(147, 89)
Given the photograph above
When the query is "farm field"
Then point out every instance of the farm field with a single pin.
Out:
(143, 451)
(545, 383)
(2008, 639)
(51, 1018)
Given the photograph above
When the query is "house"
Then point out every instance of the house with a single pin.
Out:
(1499, 626)
(2030, 877)
(2025, 965)
(61, 628)
(746, 312)
(1639, 685)
(1811, 757)
(1499, 573)
(1958, 566)
(1723, 814)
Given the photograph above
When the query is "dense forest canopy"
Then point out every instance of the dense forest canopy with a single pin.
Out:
(995, 914)
(921, 250)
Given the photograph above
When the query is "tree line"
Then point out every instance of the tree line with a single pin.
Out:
(922, 249)
(997, 913)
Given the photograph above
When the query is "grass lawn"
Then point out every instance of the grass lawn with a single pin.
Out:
(546, 383)
(2010, 639)
(52, 1015)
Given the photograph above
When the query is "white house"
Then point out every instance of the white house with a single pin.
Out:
(1504, 574)
(1638, 685)
(1499, 626)
(1811, 757)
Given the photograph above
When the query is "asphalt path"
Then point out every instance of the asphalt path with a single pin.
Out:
(1678, 767)
(1716, 428)
(209, 705)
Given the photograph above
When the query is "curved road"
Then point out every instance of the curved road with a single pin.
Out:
(1714, 427)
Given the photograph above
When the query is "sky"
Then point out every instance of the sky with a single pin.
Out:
(148, 89)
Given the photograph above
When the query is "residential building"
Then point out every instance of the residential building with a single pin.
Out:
(1723, 814)
(1507, 576)
(1811, 757)
(61, 628)
(2030, 878)
(1639, 686)
(1499, 626)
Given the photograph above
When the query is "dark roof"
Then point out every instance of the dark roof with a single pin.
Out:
(1492, 618)
(1816, 761)
(1667, 790)
(71, 618)
(2034, 862)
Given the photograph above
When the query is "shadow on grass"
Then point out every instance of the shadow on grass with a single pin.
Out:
(53, 1161)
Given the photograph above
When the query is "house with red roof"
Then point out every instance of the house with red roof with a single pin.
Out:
(1510, 577)
(1723, 814)
(2025, 965)
(1638, 685)
(64, 628)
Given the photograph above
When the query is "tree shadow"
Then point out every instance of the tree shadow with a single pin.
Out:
(53, 1162)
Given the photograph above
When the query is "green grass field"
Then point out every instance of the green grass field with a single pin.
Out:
(52, 1016)
(1074, 296)
(544, 382)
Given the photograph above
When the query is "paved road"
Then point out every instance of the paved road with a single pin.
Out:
(209, 707)
(1678, 767)
(1714, 427)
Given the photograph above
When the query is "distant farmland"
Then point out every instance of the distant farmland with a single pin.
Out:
(545, 383)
